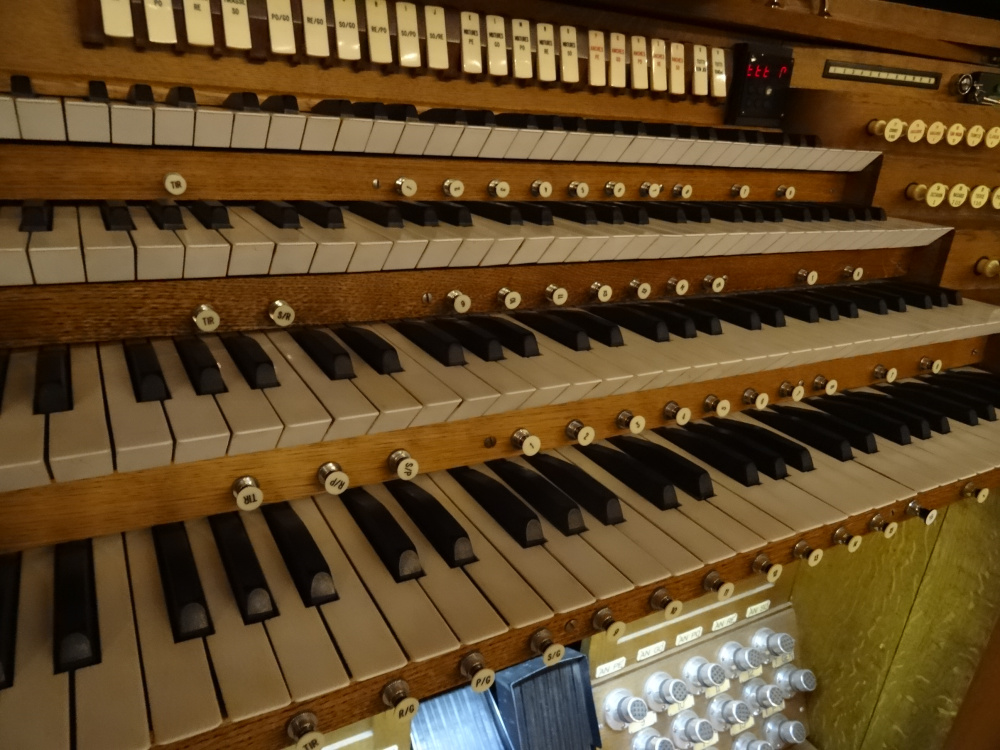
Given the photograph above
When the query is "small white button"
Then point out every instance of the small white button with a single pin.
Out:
(174, 183)
(406, 187)
(541, 188)
(460, 302)
(281, 313)
(501, 188)
(601, 292)
(205, 318)
(247, 493)
(557, 295)
(453, 188)
(614, 189)
(578, 189)
(333, 478)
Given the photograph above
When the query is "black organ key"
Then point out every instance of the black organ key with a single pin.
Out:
(936, 418)
(792, 453)
(516, 120)
(768, 462)
(76, 637)
(280, 213)
(913, 297)
(635, 319)
(725, 212)
(421, 214)
(116, 216)
(580, 213)
(594, 326)
(440, 528)
(597, 499)
(439, 344)
(918, 426)
(885, 426)
(793, 307)
(376, 352)
(633, 213)
(668, 212)
(984, 408)
(769, 314)
(281, 103)
(845, 306)
(325, 351)
(506, 508)
(10, 582)
(323, 213)
(200, 365)
(246, 579)
(767, 211)
(690, 477)
(939, 297)
(555, 505)
(251, 360)
(731, 312)
(929, 398)
(304, 561)
(704, 321)
(560, 330)
(608, 213)
(536, 213)
(800, 212)
(4, 362)
(166, 214)
(519, 340)
(53, 383)
(826, 309)
(242, 101)
(473, 337)
(678, 323)
(860, 438)
(954, 296)
(696, 212)
(841, 212)
(383, 213)
(504, 213)
(893, 300)
(211, 214)
(453, 213)
(820, 438)
(864, 300)
(444, 115)
(650, 484)
(36, 216)
(384, 534)
(985, 386)
(182, 592)
(148, 383)
(730, 462)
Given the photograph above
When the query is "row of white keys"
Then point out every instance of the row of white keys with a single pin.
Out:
(550, 580)
(307, 656)
(363, 638)
(293, 249)
(110, 702)
(579, 558)
(693, 545)
(243, 662)
(469, 615)
(417, 624)
(404, 246)
(141, 435)
(15, 268)
(56, 256)
(35, 709)
(251, 251)
(351, 412)
(180, 690)
(197, 425)
(206, 252)
(637, 565)
(78, 442)
(159, 253)
(22, 432)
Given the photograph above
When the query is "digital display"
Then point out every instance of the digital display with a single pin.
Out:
(763, 70)
(761, 82)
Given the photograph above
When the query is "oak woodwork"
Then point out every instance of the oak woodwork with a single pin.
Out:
(975, 726)
(124, 501)
(968, 246)
(35, 315)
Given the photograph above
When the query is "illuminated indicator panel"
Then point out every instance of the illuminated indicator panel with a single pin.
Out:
(762, 76)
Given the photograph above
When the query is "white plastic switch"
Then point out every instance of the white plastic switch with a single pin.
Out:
(116, 17)
(718, 73)
(616, 61)
(496, 46)
(658, 64)
(640, 64)
(521, 47)
(280, 27)
(236, 24)
(437, 37)
(345, 19)
(407, 35)
(314, 26)
(198, 23)
(569, 60)
(545, 38)
(699, 74)
(160, 22)
(472, 50)
(677, 87)
(379, 41)
(597, 55)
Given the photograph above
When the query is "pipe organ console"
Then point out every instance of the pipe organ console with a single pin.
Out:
(527, 376)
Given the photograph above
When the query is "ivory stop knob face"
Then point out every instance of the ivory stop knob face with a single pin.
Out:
(460, 302)
(453, 188)
(916, 131)
(556, 294)
(740, 191)
(406, 187)
(935, 132)
(281, 313)
(541, 188)
(510, 299)
(578, 189)
(955, 134)
(975, 135)
(958, 195)
(993, 137)
(683, 191)
(651, 189)
(500, 188)
(614, 189)
(601, 292)
(936, 194)
(995, 198)
(893, 130)
(979, 196)
(642, 289)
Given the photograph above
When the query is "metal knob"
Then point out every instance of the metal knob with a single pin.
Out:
(453, 188)
(881, 372)
(205, 318)
(614, 189)
(556, 294)
(634, 423)
(786, 191)
(803, 551)
(714, 283)
(403, 464)
(682, 191)
(525, 442)
(281, 313)
(650, 189)
(791, 390)
(680, 414)
(601, 292)
(820, 383)
(396, 695)
(793, 680)
(406, 187)
(301, 728)
(808, 278)
(605, 620)
(740, 191)
(510, 299)
(777, 644)
(779, 730)
(541, 643)
(854, 273)
(498, 188)
(988, 267)
(648, 739)
(578, 189)
(981, 494)
(473, 668)
(719, 405)
(846, 538)
(333, 478)
(581, 433)
(701, 673)
(460, 302)
(541, 188)
(747, 741)
(762, 564)
(927, 515)
(247, 492)
(660, 599)
(755, 399)
(642, 289)
(930, 365)
(713, 583)
(737, 658)
(678, 286)
(887, 528)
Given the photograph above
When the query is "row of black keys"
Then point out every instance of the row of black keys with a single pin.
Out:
(487, 336)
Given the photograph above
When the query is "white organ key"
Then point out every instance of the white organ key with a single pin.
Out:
(677, 82)
(546, 39)
(658, 64)
(251, 251)
(379, 41)
(718, 73)
(334, 247)
(250, 416)
(437, 38)
(472, 49)
(549, 385)
(79, 446)
(463, 607)
(506, 240)
(569, 58)
(116, 18)
(159, 253)
(384, 137)
(512, 597)
(581, 560)
(286, 131)
(15, 268)
(9, 128)
(354, 133)
(41, 118)
(472, 141)
(597, 59)
(141, 436)
(293, 249)
(243, 661)
(173, 126)
(131, 124)
(179, 685)
(616, 61)
(363, 639)
(307, 656)
(553, 583)
(317, 38)
(22, 432)
(250, 129)
(496, 46)
(198, 427)
(206, 252)
(110, 701)
(640, 64)
(280, 27)
(406, 247)
(35, 709)
(418, 625)
(198, 23)
(521, 47)
(88, 122)
(345, 16)
(160, 21)
(515, 392)
(407, 35)
(352, 413)
(369, 252)
(699, 74)
(303, 416)
(236, 24)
